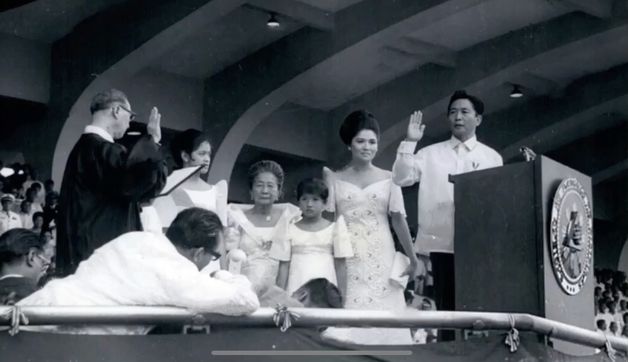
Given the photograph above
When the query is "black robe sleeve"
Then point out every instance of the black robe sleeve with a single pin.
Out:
(102, 187)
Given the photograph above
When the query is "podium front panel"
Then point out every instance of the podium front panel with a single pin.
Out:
(496, 256)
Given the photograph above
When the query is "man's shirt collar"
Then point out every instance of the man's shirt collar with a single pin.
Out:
(468, 144)
(98, 131)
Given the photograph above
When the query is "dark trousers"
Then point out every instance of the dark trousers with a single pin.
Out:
(444, 287)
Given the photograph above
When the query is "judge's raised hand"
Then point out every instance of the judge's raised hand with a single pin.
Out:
(415, 127)
(154, 124)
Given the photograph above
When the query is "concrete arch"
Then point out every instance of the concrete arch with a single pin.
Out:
(265, 81)
(623, 258)
(435, 83)
(128, 65)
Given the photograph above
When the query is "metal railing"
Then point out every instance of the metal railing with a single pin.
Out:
(308, 317)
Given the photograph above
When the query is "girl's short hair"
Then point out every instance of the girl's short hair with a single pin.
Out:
(313, 186)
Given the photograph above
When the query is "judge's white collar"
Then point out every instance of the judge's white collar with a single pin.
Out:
(98, 131)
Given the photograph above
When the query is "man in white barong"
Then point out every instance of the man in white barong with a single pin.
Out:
(142, 268)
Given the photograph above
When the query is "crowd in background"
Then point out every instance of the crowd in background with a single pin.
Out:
(347, 228)
(611, 302)
(27, 202)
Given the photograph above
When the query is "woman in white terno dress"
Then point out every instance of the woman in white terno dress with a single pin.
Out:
(256, 229)
(366, 196)
(191, 148)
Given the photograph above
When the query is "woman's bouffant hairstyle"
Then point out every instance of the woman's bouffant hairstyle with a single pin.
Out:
(195, 228)
(313, 186)
(266, 166)
(187, 141)
(355, 122)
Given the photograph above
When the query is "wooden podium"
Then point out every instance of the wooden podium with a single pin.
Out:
(504, 229)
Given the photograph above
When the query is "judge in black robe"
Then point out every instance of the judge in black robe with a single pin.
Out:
(104, 183)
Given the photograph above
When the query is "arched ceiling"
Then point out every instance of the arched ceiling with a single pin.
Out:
(570, 57)
(49, 20)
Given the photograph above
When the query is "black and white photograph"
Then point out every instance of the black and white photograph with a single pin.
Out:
(341, 180)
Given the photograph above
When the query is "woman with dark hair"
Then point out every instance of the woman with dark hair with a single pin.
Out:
(191, 148)
(261, 227)
(365, 196)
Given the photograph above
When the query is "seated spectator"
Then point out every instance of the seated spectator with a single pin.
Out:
(26, 214)
(142, 268)
(31, 196)
(8, 219)
(601, 325)
(604, 312)
(50, 210)
(40, 195)
(38, 222)
(49, 186)
(597, 295)
(24, 258)
(613, 330)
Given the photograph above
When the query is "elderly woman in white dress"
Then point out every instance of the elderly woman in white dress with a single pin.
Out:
(256, 229)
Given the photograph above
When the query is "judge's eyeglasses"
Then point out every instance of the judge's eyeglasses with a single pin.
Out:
(131, 113)
(215, 255)
(45, 261)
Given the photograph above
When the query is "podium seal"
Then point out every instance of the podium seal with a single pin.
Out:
(571, 236)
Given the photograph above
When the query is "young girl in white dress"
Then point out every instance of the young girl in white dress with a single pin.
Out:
(315, 247)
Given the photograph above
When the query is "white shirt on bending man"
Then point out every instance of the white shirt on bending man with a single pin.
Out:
(142, 268)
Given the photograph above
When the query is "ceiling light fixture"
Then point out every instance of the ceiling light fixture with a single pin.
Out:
(7, 171)
(516, 91)
(272, 22)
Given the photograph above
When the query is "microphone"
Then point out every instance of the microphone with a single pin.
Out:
(236, 258)
(527, 153)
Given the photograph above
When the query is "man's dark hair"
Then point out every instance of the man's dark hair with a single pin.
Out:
(106, 99)
(195, 228)
(478, 105)
(601, 324)
(38, 214)
(313, 186)
(17, 242)
(323, 293)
